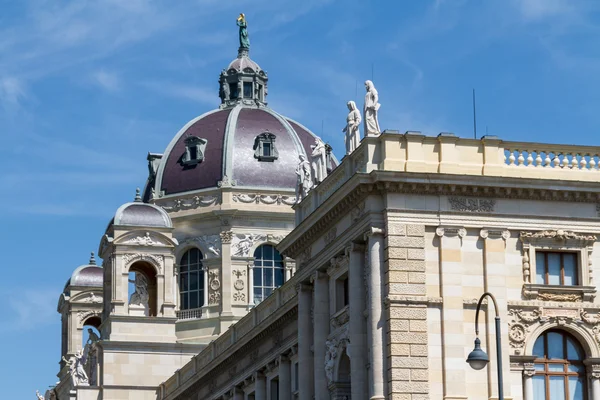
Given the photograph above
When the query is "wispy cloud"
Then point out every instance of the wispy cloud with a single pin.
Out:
(184, 91)
(29, 308)
(108, 81)
(12, 92)
(535, 10)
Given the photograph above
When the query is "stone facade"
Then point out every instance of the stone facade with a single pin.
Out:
(394, 249)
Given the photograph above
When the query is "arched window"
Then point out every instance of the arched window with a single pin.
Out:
(268, 271)
(559, 369)
(191, 280)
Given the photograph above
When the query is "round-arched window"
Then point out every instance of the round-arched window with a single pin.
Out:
(191, 280)
(559, 368)
(268, 271)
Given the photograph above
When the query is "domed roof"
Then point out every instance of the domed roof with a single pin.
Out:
(87, 275)
(243, 64)
(138, 213)
(230, 154)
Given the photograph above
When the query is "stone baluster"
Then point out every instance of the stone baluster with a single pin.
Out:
(556, 160)
(521, 158)
(565, 160)
(511, 158)
(305, 335)
(547, 160)
(529, 158)
(538, 159)
(375, 331)
(574, 161)
(321, 331)
(592, 162)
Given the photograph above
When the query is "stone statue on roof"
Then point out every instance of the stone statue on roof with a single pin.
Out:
(371, 109)
(352, 131)
(244, 39)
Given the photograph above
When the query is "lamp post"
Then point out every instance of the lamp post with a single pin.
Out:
(478, 358)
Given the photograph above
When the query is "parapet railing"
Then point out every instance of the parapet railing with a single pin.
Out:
(449, 154)
(194, 313)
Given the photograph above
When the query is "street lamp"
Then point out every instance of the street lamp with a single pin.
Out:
(478, 358)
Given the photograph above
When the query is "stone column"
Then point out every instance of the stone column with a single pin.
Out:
(594, 376)
(495, 282)
(205, 299)
(238, 394)
(260, 386)
(305, 335)
(321, 331)
(528, 373)
(376, 320)
(250, 285)
(357, 324)
(285, 378)
(226, 238)
(451, 287)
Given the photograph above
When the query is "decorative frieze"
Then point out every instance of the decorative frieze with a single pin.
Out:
(558, 235)
(157, 260)
(210, 242)
(268, 199)
(469, 204)
(146, 240)
(330, 235)
(189, 203)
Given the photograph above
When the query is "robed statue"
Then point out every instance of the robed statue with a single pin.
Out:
(318, 161)
(304, 179)
(244, 39)
(371, 108)
(352, 138)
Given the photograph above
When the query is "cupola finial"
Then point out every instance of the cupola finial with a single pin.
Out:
(244, 39)
(138, 198)
(92, 259)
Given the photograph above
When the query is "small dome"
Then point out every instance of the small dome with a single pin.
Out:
(138, 213)
(89, 275)
(243, 64)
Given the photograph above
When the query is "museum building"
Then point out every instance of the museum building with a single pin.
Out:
(230, 276)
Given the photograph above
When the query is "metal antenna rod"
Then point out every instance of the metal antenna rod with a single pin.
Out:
(474, 117)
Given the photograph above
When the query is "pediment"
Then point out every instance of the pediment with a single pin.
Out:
(145, 239)
(90, 297)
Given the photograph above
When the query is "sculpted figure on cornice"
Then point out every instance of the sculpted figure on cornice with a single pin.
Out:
(352, 137)
(318, 162)
(371, 109)
(76, 369)
(145, 240)
(241, 243)
(304, 178)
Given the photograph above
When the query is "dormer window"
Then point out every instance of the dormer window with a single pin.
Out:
(247, 90)
(194, 150)
(264, 147)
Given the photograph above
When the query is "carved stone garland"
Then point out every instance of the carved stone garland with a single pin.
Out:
(239, 285)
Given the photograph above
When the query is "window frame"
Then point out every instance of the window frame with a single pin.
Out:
(187, 291)
(565, 362)
(265, 138)
(557, 241)
(259, 266)
(561, 277)
(193, 144)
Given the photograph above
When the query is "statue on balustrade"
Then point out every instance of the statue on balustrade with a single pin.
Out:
(370, 110)
(319, 161)
(352, 138)
(304, 179)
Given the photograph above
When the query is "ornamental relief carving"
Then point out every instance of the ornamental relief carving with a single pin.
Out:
(264, 199)
(83, 315)
(191, 203)
(157, 260)
(239, 285)
(146, 240)
(211, 242)
(467, 204)
(214, 284)
(241, 243)
(524, 321)
(330, 235)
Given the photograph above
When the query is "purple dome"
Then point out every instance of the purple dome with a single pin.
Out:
(231, 136)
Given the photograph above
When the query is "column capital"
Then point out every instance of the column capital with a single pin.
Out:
(226, 237)
(459, 231)
(317, 275)
(528, 369)
(303, 287)
(374, 231)
(494, 233)
(357, 247)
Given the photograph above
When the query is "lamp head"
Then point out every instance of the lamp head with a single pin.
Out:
(478, 358)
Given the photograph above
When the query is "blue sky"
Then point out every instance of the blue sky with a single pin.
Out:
(87, 88)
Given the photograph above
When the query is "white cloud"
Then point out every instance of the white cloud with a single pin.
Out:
(12, 92)
(30, 308)
(108, 81)
(535, 10)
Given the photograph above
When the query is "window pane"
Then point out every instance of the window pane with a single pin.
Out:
(183, 267)
(194, 280)
(575, 388)
(538, 347)
(557, 388)
(233, 90)
(258, 253)
(267, 263)
(278, 277)
(576, 368)
(247, 90)
(183, 282)
(570, 269)
(277, 256)
(556, 367)
(194, 303)
(266, 149)
(193, 152)
(539, 367)
(573, 350)
(540, 265)
(258, 297)
(268, 252)
(555, 345)
(268, 275)
(257, 276)
(184, 301)
(268, 292)
(539, 387)
(553, 269)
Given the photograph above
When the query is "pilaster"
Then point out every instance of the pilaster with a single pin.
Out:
(321, 331)
(357, 323)
(305, 338)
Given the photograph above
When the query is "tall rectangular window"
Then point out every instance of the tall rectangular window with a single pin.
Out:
(556, 268)
(247, 90)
